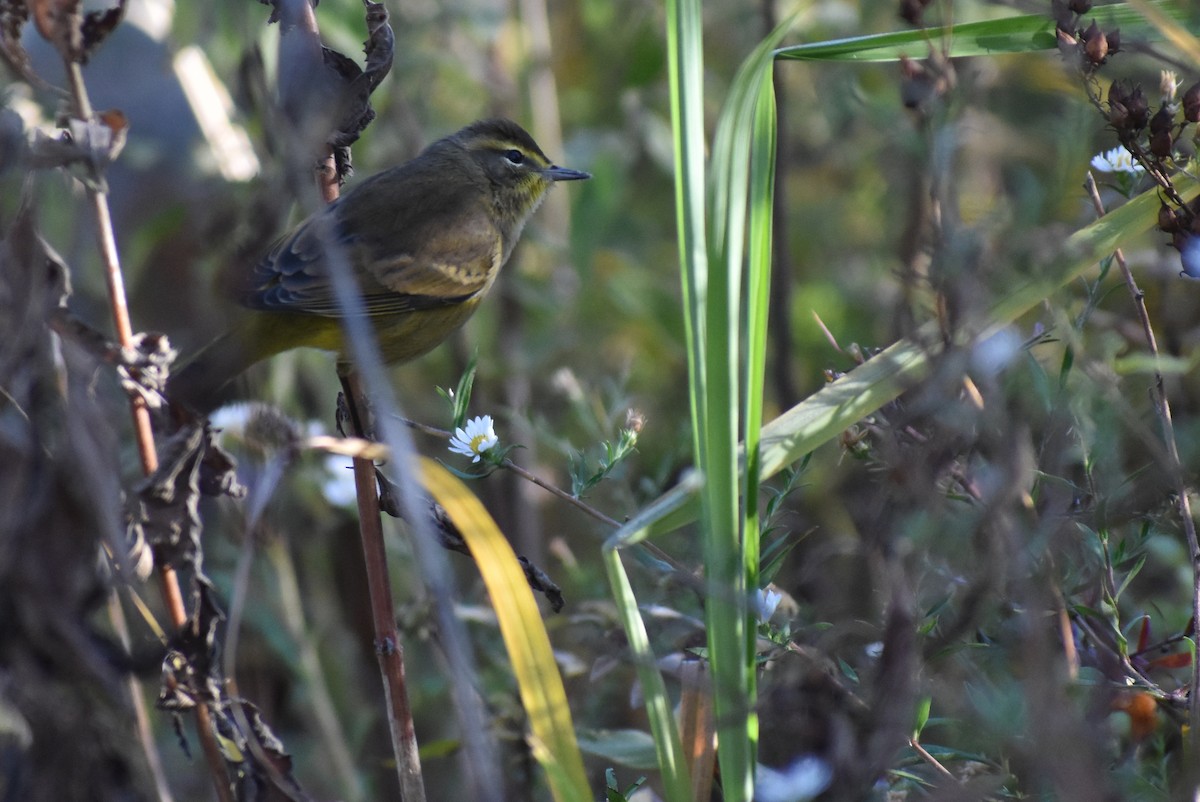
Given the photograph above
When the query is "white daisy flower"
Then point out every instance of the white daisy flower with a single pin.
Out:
(1116, 160)
(474, 439)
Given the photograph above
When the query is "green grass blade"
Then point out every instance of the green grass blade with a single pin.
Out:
(659, 710)
(1020, 34)
(762, 198)
(686, 70)
(824, 415)
(729, 544)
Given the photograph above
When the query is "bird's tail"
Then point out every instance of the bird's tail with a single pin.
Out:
(206, 381)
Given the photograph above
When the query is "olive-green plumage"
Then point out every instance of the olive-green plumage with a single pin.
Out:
(425, 241)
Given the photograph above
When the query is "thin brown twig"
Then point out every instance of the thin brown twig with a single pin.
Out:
(558, 492)
(1163, 408)
(143, 431)
(931, 760)
(575, 501)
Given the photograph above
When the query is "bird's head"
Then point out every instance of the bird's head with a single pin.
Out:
(520, 173)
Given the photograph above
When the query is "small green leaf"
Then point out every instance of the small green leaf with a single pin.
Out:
(630, 748)
(460, 397)
(923, 707)
(1129, 577)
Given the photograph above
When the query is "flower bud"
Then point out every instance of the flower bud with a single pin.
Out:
(1161, 144)
(1138, 108)
(1162, 121)
(1168, 222)
(1118, 115)
(911, 11)
(1191, 103)
(1118, 92)
(1095, 44)
(1066, 42)
(1168, 85)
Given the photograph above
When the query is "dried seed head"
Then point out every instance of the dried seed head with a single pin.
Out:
(1162, 121)
(912, 11)
(1138, 108)
(1066, 42)
(1161, 144)
(1095, 44)
(1191, 103)
(1168, 220)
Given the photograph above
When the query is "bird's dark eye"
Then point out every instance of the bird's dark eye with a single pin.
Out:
(515, 156)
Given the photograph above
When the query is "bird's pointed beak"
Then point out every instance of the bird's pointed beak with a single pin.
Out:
(556, 173)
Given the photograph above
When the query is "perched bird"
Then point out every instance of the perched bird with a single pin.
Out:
(424, 240)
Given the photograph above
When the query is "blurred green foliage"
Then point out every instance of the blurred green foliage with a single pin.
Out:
(1034, 532)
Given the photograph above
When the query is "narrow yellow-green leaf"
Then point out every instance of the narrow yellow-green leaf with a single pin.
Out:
(540, 684)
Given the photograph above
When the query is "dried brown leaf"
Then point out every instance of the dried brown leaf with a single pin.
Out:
(13, 16)
(60, 23)
(97, 25)
(87, 145)
(329, 101)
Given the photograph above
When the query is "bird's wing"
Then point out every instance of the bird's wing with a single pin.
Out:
(400, 268)
(457, 257)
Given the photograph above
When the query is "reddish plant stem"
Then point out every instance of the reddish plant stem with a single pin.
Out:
(388, 648)
(143, 431)
(387, 642)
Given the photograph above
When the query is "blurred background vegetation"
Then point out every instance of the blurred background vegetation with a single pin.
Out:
(1033, 526)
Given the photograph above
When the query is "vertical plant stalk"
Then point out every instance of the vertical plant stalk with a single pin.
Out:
(760, 247)
(710, 314)
(306, 39)
(367, 379)
(116, 615)
(143, 432)
(1163, 408)
(324, 712)
(779, 341)
(543, 106)
(388, 649)
(696, 727)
